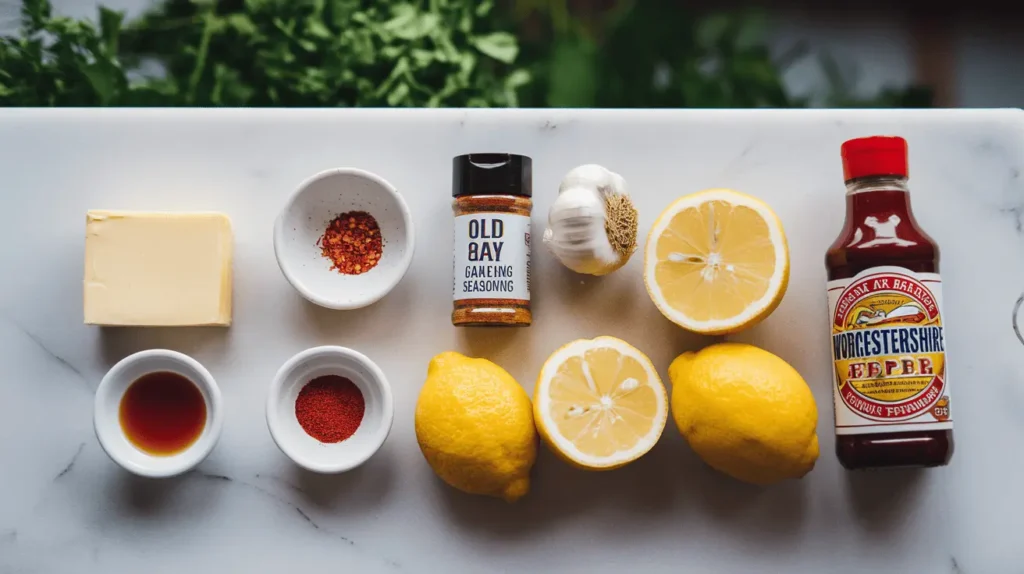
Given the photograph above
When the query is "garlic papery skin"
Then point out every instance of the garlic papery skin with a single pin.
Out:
(592, 225)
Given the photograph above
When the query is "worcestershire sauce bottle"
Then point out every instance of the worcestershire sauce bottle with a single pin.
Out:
(891, 392)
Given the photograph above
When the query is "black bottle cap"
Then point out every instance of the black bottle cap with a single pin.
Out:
(492, 174)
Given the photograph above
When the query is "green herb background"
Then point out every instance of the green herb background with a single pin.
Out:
(433, 53)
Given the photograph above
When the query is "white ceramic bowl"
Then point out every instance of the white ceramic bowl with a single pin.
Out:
(106, 414)
(303, 220)
(305, 450)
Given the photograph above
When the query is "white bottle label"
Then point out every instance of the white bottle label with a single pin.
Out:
(888, 352)
(492, 256)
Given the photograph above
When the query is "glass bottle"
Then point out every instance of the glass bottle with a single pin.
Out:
(891, 393)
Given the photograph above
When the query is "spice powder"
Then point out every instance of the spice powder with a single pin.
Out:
(330, 408)
(352, 242)
(494, 310)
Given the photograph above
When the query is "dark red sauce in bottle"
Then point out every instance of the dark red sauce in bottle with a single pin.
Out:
(891, 393)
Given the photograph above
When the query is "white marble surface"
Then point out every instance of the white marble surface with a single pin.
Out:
(65, 507)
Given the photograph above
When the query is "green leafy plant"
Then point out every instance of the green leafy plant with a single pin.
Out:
(56, 61)
(331, 52)
(265, 53)
(637, 54)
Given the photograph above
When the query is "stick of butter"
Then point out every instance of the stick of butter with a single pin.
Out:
(157, 269)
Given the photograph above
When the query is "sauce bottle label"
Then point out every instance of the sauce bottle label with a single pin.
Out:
(888, 352)
(492, 257)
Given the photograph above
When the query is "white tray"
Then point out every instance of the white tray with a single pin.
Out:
(65, 507)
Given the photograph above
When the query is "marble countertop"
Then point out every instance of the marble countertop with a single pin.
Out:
(65, 507)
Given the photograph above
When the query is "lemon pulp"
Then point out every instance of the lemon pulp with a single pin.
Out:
(600, 403)
(717, 261)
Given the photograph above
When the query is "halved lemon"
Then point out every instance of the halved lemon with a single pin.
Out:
(599, 403)
(716, 261)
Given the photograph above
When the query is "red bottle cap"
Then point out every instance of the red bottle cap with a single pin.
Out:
(874, 156)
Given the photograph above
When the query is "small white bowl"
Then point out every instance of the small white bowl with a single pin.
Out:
(304, 218)
(305, 450)
(107, 421)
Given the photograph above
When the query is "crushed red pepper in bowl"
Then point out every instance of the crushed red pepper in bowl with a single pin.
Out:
(352, 242)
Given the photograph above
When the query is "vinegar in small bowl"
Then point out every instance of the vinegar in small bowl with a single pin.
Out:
(162, 413)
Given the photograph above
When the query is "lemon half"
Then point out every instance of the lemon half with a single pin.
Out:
(716, 261)
(599, 403)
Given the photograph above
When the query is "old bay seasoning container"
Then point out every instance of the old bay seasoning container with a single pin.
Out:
(492, 204)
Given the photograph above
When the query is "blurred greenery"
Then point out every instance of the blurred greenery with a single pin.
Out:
(537, 53)
(54, 61)
(659, 54)
(653, 54)
(265, 53)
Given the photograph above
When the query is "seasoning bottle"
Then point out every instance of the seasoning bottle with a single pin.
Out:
(492, 204)
(891, 392)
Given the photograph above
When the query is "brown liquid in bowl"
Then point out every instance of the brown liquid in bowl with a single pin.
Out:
(162, 413)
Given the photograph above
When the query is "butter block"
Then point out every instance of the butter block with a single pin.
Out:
(157, 269)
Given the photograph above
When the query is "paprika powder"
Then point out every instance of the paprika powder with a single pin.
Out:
(330, 408)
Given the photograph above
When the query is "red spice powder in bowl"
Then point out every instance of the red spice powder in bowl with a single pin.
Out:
(344, 239)
(329, 409)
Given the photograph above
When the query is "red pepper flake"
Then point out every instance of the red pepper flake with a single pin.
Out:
(352, 242)
(330, 408)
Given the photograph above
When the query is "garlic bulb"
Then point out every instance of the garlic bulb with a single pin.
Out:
(592, 225)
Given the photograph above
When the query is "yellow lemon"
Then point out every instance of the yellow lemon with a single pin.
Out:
(474, 424)
(599, 403)
(716, 261)
(746, 412)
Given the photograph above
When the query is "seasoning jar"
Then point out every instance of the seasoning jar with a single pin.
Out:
(492, 204)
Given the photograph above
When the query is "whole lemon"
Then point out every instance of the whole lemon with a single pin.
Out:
(746, 412)
(474, 424)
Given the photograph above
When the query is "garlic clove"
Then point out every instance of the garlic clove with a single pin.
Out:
(592, 225)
